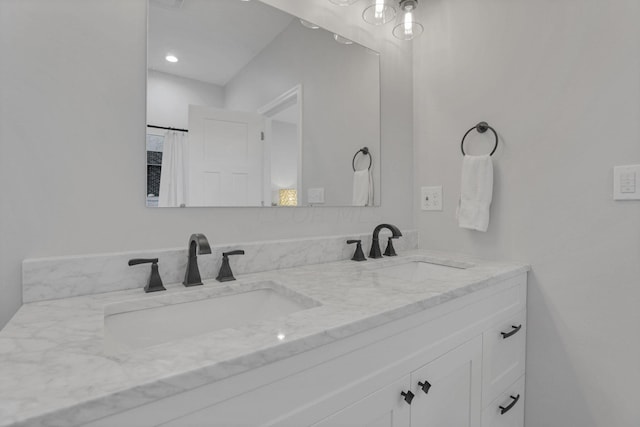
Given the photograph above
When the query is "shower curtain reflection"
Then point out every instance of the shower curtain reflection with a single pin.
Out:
(173, 175)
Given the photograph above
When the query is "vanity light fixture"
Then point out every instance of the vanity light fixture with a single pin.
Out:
(379, 12)
(171, 58)
(407, 27)
(309, 25)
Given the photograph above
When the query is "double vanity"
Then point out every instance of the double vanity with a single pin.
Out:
(422, 338)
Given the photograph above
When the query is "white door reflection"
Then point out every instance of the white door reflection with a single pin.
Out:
(225, 157)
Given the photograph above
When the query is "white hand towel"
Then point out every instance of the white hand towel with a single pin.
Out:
(362, 188)
(476, 192)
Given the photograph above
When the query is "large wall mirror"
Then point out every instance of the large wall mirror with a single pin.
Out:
(250, 106)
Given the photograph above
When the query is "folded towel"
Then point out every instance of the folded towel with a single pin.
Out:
(362, 188)
(476, 192)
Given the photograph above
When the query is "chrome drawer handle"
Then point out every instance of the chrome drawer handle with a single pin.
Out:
(514, 331)
(505, 409)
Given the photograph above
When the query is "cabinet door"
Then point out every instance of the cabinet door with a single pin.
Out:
(453, 399)
(382, 408)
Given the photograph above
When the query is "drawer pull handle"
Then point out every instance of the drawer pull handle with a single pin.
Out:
(425, 386)
(408, 396)
(505, 409)
(512, 332)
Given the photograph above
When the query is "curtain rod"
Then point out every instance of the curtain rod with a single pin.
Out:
(167, 128)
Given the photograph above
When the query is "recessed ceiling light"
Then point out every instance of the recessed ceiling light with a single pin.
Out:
(171, 58)
(342, 40)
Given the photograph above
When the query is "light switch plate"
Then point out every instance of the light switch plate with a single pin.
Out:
(431, 198)
(315, 195)
(626, 182)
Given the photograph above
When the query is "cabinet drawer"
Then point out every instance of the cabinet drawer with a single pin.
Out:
(503, 355)
(508, 409)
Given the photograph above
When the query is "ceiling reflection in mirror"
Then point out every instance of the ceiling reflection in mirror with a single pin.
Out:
(250, 106)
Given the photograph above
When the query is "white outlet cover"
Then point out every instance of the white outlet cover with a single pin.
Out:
(431, 198)
(315, 195)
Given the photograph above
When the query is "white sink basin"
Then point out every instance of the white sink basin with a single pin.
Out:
(135, 325)
(419, 271)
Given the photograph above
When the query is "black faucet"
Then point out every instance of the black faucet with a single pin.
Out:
(375, 244)
(155, 282)
(225, 274)
(192, 275)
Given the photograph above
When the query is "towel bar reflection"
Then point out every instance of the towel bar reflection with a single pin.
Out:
(481, 127)
(365, 152)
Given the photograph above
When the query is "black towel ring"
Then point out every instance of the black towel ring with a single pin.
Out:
(481, 127)
(364, 151)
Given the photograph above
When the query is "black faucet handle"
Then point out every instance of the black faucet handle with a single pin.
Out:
(358, 255)
(155, 282)
(137, 261)
(390, 251)
(236, 252)
(225, 274)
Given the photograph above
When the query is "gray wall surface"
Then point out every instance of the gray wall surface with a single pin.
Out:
(72, 132)
(169, 96)
(340, 102)
(560, 82)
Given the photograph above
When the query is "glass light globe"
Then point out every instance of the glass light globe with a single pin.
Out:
(379, 12)
(407, 27)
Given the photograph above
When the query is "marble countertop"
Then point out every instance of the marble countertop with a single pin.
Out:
(54, 369)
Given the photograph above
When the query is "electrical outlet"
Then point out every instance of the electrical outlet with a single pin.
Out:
(315, 195)
(431, 198)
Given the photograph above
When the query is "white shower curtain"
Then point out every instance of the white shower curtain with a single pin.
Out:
(173, 175)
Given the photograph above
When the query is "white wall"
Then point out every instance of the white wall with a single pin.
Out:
(560, 81)
(336, 122)
(169, 96)
(72, 132)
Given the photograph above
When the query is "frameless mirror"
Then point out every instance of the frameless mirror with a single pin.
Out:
(250, 106)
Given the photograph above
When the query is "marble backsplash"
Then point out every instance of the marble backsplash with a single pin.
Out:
(63, 277)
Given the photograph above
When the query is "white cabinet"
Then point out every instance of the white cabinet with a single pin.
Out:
(466, 349)
(504, 355)
(444, 392)
(453, 384)
(507, 410)
(382, 408)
